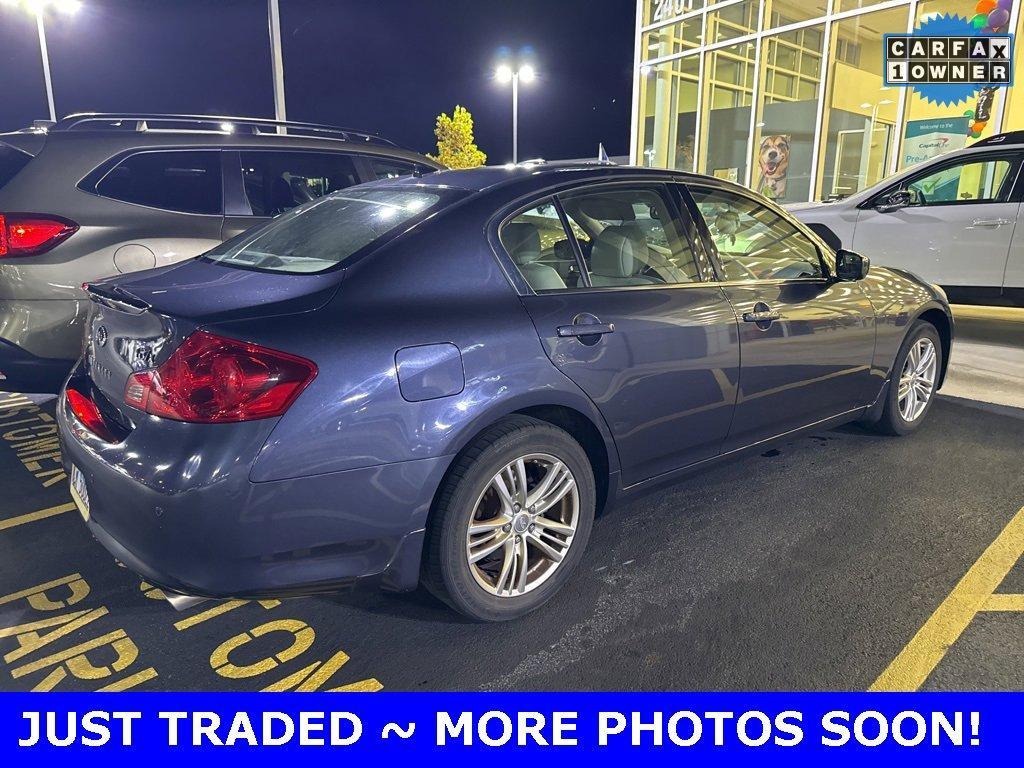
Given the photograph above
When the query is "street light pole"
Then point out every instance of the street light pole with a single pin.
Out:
(277, 62)
(515, 117)
(46, 62)
(505, 74)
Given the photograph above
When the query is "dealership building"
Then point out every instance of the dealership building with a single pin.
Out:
(713, 80)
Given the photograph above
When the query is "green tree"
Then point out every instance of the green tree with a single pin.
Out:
(455, 145)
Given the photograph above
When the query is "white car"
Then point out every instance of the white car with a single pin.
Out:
(956, 220)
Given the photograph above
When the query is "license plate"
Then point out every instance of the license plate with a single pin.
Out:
(79, 491)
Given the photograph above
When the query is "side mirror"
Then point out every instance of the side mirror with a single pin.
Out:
(851, 266)
(901, 198)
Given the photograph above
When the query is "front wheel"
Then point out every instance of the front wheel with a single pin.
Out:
(915, 376)
(511, 521)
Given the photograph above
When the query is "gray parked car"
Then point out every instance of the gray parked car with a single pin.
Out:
(97, 195)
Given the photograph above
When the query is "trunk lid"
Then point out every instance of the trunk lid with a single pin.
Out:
(137, 321)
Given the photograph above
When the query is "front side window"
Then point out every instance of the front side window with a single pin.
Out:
(186, 181)
(979, 181)
(540, 249)
(276, 182)
(630, 237)
(753, 241)
(328, 231)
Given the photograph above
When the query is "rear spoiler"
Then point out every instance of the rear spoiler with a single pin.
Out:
(115, 297)
(30, 142)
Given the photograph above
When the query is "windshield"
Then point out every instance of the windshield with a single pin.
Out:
(327, 231)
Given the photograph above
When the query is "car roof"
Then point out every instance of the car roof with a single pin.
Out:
(544, 174)
(112, 132)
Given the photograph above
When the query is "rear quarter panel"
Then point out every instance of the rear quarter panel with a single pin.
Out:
(439, 285)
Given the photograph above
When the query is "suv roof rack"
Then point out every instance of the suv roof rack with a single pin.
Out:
(1011, 137)
(216, 123)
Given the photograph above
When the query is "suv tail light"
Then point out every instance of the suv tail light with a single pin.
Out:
(29, 234)
(211, 380)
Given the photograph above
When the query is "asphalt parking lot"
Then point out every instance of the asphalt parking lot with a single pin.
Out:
(840, 560)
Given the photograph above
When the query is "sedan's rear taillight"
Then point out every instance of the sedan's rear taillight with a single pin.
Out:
(88, 413)
(29, 234)
(210, 379)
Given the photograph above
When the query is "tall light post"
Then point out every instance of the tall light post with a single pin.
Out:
(38, 9)
(505, 74)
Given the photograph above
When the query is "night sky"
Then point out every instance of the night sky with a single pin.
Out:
(388, 66)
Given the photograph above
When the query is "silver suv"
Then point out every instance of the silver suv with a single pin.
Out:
(96, 195)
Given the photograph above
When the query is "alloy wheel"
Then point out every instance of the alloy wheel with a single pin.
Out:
(523, 524)
(917, 381)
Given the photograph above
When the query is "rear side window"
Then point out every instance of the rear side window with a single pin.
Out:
(383, 168)
(537, 243)
(187, 181)
(634, 238)
(276, 182)
(328, 231)
(11, 161)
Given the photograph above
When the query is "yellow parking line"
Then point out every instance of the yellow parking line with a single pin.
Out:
(31, 517)
(1001, 602)
(974, 593)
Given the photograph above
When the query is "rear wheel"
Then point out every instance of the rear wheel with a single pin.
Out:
(915, 376)
(511, 521)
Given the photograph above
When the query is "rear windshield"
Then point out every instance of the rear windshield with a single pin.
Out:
(327, 231)
(11, 161)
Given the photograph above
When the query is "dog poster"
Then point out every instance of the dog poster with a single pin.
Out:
(773, 161)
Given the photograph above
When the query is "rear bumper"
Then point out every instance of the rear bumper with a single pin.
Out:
(21, 371)
(230, 537)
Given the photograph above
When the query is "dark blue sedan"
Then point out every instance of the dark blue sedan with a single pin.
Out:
(441, 380)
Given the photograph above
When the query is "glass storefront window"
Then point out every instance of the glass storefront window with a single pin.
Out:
(787, 111)
(785, 12)
(657, 11)
(674, 38)
(668, 103)
(931, 128)
(728, 96)
(732, 21)
(858, 122)
(852, 5)
(850, 138)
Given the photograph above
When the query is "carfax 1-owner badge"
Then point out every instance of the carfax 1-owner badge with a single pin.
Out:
(947, 59)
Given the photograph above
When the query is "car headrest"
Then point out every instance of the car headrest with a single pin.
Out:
(605, 208)
(619, 251)
(522, 241)
(281, 196)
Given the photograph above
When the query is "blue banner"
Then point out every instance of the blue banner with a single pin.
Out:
(546, 728)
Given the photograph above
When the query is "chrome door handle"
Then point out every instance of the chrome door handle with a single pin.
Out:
(990, 222)
(585, 329)
(763, 316)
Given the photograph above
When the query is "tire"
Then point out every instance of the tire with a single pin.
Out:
(894, 421)
(488, 590)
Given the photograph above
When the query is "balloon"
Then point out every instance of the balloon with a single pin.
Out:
(985, 6)
(969, 113)
(975, 135)
(980, 125)
(979, 21)
(1006, 5)
(1000, 17)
